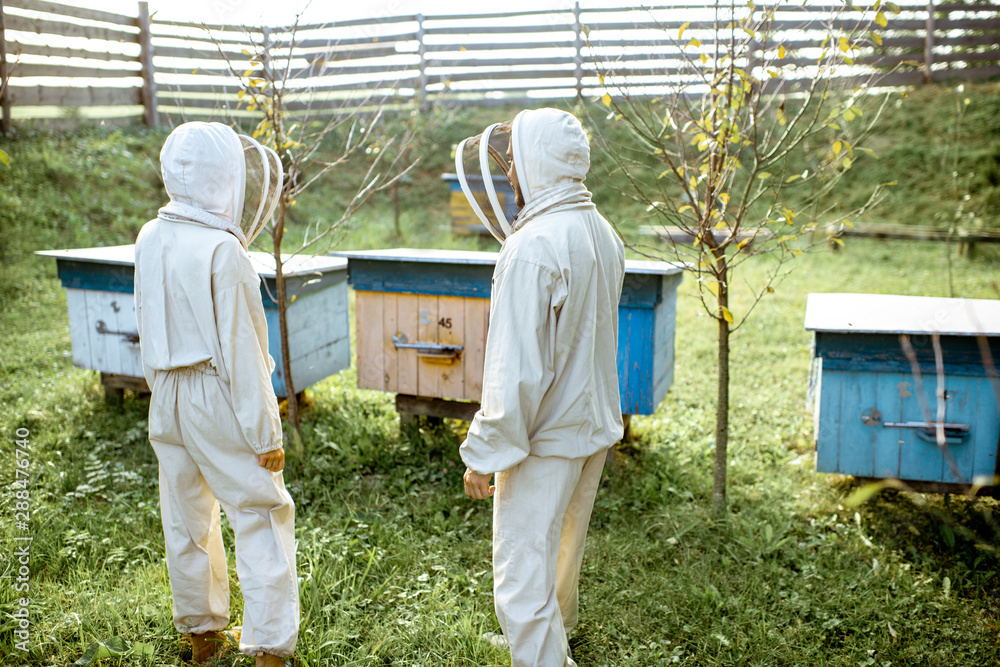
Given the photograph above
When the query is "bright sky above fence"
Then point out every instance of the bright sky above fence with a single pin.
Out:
(272, 12)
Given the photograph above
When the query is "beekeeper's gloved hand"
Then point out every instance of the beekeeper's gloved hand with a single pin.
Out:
(478, 486)
(273, 460)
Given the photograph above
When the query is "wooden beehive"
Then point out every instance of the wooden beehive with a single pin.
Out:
(99, 298)
(422, 319)
(463, 219)
(867, 389)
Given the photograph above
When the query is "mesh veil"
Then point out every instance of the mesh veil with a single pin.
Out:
(264, 179)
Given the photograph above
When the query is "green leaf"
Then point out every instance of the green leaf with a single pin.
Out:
(863, 494)
(585, 29)
(847, 163)
(4, 158)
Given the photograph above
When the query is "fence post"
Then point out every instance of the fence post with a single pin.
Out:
(150, 115)
(929, 44)
(578, 44)
(422, 52)
(4, 93)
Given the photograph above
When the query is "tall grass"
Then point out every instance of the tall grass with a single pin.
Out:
(394, 560)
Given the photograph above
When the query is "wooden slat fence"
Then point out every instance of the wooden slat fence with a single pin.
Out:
(64, 59)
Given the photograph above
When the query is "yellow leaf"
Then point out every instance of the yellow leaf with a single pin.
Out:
(848, 115)
(739, 246)
(877, 38)
(722, 224)
(881, 19)
(837, 146)
(4, 158)
(293, 298)
(781, 51)
(726, 314)
(713, 287)
(844, 44)
(694, 42)
(245, 52)
(686, 207)
(607, 100)
(704, 58)
(793, 177)
(764, 174)
(680, 33)
(847, 163)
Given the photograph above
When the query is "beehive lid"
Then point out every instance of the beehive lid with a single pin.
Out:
(893, 314)
(263, 262)
(123, 255)
(427, 255)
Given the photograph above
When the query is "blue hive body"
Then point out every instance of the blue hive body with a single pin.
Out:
(869, 419)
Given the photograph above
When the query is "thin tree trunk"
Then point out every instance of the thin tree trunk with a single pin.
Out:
(722, 406)
(286, 362)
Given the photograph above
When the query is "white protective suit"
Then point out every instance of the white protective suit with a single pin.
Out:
(550, 402)
(203, 341)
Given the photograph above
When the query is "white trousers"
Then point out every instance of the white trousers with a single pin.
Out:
(205, 463)
(541, 511)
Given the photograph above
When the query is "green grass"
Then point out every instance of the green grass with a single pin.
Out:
(394, 560)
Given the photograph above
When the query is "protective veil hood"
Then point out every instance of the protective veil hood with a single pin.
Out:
(218, 178)
(552, 157)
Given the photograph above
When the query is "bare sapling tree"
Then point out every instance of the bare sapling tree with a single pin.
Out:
(314, 135)
(739, 154)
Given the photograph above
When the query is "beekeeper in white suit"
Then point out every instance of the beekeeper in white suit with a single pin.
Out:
(213, 416)
(550, 402)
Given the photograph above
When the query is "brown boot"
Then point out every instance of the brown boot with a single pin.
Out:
(204, 645)
(268, 660)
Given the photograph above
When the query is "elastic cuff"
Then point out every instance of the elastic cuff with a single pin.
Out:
(265, 448)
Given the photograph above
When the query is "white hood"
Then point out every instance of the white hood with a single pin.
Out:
(204, 173)
(552, 158)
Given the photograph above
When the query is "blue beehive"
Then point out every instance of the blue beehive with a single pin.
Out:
(438, 301)
(99, 297)
(867, 387)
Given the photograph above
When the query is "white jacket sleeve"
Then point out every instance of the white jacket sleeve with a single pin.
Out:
(518, 367)
(137, 296)
(242, 328)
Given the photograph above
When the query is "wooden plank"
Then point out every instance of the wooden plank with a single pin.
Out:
(451, 331)
(74, 12)
(987, 429)
(334, 69)
(201, 54)
(496, 62)
(65, 96)
(970, 24)
(381, 40)
(461, 47)
(371, 363)
(381, 20)
(827, 426)
(407, 317)
(319, 340)
(962, 405)
(390, 325)
(428, 374)
(79, 332)
(64, 52)
(69, 71)
(502, 76)
(889, 389)
(968, 40)
(493, 30)
(918, 459)
(857, 440)
(65, 29)
(474, 355)
(971, 7)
